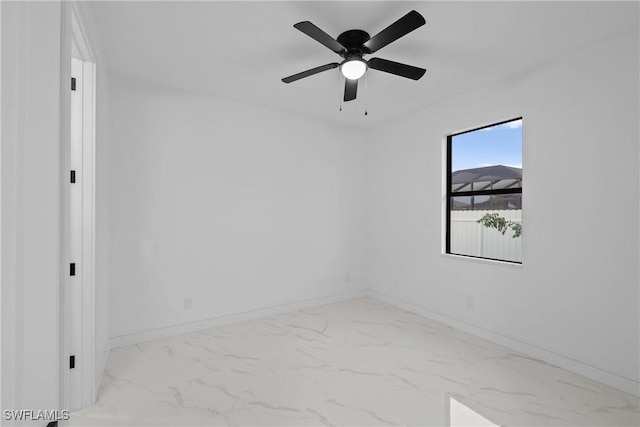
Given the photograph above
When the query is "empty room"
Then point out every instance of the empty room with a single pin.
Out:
(366, 213)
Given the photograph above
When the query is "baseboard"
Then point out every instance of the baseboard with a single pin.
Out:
(153, 334)
(609, 378)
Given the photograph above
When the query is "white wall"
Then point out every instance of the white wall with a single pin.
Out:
(576, 295)
(29, 151)
(237, 207)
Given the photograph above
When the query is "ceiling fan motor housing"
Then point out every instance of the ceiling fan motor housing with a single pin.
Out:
(353, 41)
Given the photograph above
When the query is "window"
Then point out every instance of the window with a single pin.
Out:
(484, 192)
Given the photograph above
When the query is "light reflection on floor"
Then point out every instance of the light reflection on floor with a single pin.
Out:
(461, 415)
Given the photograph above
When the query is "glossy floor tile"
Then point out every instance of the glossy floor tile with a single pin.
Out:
(359, 362)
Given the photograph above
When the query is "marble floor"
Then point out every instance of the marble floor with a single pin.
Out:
(359, 362)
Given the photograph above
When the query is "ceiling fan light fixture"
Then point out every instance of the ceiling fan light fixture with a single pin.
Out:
(353, 68)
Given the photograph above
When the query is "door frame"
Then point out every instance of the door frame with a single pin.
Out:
(73, 32)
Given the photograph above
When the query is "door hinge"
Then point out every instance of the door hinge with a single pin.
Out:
(73, 83)
(72, 269)
(73, 177)
(72, 361)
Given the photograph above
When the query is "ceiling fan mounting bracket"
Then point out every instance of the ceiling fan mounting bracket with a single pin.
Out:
(353, 41)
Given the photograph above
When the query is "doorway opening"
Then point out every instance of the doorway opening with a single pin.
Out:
(79, 388)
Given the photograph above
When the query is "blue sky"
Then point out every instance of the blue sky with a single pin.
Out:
(496, 145)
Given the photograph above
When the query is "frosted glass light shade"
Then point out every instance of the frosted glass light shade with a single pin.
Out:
(353, 69)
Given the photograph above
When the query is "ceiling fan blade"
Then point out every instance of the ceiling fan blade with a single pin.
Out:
(320, 36)
(310, 72)
(402, 70)
(350, 89)
(393, 32)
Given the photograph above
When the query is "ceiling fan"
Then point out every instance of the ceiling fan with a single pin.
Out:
(352, 45)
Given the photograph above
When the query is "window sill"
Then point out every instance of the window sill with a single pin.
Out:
(483, 261)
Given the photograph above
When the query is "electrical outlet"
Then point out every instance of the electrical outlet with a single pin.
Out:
(187, 303)
(469, 303)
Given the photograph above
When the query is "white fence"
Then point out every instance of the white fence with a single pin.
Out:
(468, 237)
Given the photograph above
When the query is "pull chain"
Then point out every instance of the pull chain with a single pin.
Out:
(366, 92)
(340, 89)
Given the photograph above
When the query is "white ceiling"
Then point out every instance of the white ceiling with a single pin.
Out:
(241, 50)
